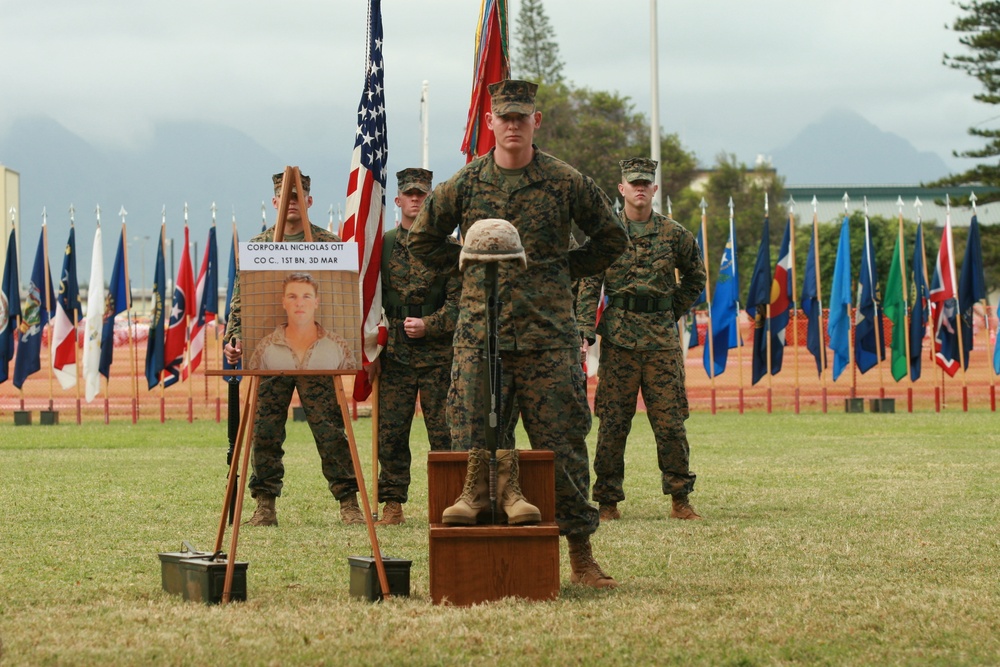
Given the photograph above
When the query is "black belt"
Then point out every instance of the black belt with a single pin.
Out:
(642, 304)
(410, 310)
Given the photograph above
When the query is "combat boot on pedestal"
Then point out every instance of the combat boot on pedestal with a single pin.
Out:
(586, 571)
(519, 511)
(682, 508)
(476, 494)
(265, 514)
(350, 512)
(392, 514)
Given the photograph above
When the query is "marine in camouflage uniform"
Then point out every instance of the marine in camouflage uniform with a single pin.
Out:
(640, 346)
(319, 402)
(422, 308)
(538, 335)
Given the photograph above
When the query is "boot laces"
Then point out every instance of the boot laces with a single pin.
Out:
(472, 475)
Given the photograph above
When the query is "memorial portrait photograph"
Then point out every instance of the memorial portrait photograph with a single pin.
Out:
(301, 320)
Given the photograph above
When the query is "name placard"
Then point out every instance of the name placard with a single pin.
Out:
(304, 255)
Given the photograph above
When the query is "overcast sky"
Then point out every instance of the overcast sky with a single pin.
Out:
(735, 76)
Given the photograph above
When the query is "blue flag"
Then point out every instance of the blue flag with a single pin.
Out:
(971, 285)
(117, 300)
(838, 326)
(758, 299)
(869, 333)
(813, 308)
(10, 306)
(157, 334)
(919, 314)
(724, 310)
(229, 299)
(34, 318)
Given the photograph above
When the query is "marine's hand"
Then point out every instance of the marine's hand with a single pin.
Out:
(414, 327)
(233, 351)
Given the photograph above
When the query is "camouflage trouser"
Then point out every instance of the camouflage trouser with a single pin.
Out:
(551, 392)
(319, 401)
(399, 385)
(660, 376)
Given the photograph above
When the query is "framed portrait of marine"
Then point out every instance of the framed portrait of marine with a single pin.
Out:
(301, 308)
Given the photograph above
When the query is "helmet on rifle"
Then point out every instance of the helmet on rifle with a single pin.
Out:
(491, 240)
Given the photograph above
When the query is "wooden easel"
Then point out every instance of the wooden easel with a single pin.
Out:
(242, 448)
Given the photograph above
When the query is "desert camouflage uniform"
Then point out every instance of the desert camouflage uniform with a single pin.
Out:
(538, 335)
(319, 402)
(640, 349)
(413, 365)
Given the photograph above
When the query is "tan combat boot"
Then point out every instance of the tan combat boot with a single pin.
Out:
(350, 512)
(609, 512)
(476, 494)
(586, 571)
(682, 508)
(519, 511)
(265, 514)
(392, 514)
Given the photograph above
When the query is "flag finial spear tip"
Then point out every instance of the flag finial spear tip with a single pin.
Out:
(123, 213)
(703, 204)
(791, 203)
(815, 203)
(899, 201)
(730, 201)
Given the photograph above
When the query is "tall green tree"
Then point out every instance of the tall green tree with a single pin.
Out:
(536, 57)
(980, 28)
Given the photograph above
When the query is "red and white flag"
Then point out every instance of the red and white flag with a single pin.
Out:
(206, 303)
(64, 322)
(181, 311)
(366, 198)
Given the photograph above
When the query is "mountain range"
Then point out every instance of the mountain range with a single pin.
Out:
(200, 163)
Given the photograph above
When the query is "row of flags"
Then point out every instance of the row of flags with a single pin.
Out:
(176, 340)
(942, 303)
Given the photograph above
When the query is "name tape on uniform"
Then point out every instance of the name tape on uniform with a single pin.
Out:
(305, 255)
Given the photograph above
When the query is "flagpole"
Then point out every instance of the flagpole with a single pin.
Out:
(107, 381)
(986, 321)
(795, 310)
(48, 305)
(851, 329)
(132, 357)
(767, 321)
(906, 305)
(917, 204)
(879, 347)
(163, 397)
(654, 97)
(186, 359)
(425, 127)
(77, 362)
(819, 298)
(739, 318)
(708, 298)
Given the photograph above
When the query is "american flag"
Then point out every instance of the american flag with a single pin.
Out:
(366, 197)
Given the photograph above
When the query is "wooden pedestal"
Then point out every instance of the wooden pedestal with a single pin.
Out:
(473, 564)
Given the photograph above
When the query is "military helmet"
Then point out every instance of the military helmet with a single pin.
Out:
(491, 240)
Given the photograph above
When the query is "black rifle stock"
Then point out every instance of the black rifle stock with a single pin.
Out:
(234, 429)
(492, 379)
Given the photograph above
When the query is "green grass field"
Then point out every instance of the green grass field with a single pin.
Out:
(829, 539)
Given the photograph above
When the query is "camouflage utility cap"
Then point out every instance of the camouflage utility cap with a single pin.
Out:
(491, 240)
(414, 179)
(280, 176)
(638, 169)
(512, 96)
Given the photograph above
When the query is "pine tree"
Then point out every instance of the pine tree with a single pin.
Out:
(537, 55)
(981, 28)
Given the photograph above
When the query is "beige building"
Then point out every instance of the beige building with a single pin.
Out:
(10, 198)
